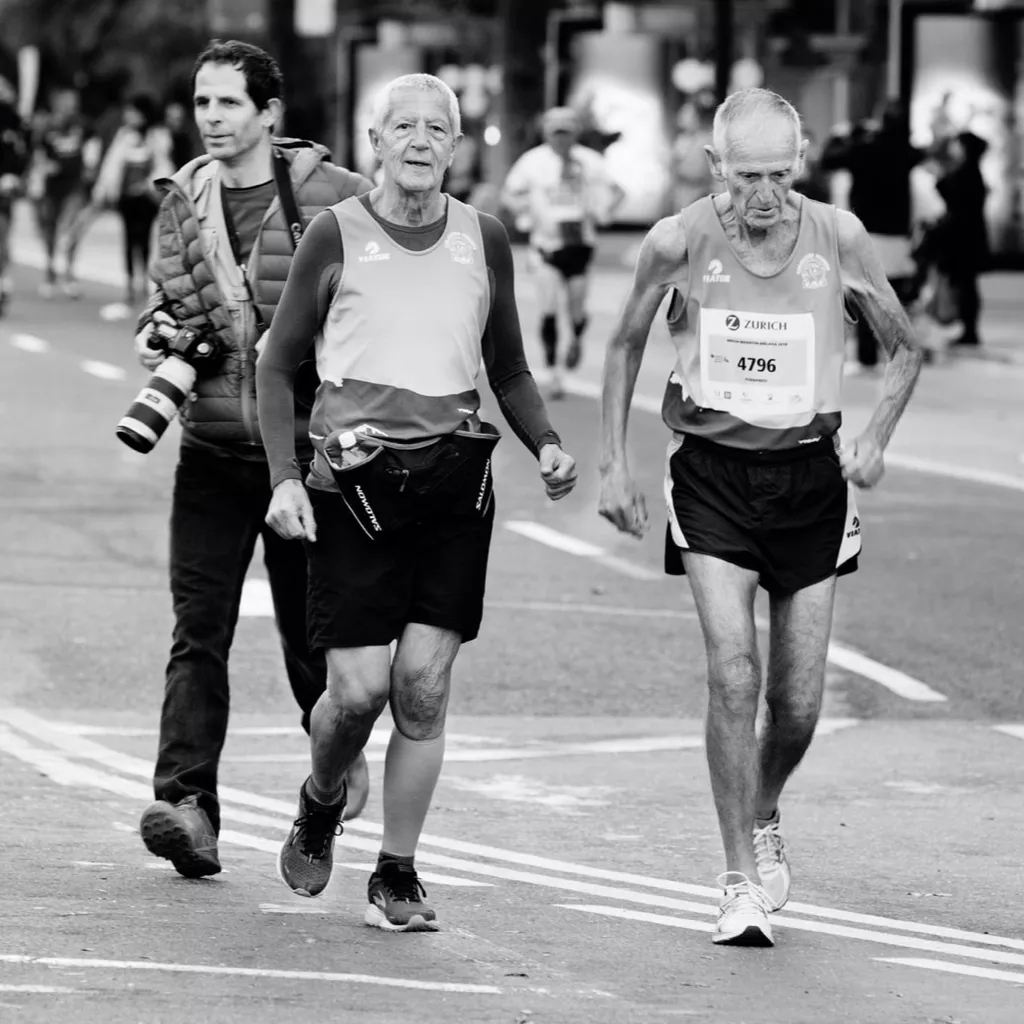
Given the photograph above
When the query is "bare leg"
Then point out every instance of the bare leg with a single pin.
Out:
(800, 628)
(724, 594)
(358, 682)
(420, 684)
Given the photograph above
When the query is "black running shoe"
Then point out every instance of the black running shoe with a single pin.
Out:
(574, 355)
(182, 834)
(307, 857)
(396, 900)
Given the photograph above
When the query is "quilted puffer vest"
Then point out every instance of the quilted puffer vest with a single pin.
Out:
(222, 407)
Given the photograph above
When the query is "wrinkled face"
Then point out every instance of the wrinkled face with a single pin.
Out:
(761, 161)
(226, 117)
(416, 142)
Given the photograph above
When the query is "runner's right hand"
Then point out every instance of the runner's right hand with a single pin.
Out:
(290, 514)
(622, 503)
(151, 341)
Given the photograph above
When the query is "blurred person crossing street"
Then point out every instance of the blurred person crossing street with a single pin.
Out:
(14, 154)
(407, 291)
(227, 230)
(758, 485)
(560, 192)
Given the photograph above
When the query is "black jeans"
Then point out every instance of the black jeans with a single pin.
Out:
(217, 513)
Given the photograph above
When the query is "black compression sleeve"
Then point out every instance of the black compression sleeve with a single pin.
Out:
(312, 280)
(507, 370)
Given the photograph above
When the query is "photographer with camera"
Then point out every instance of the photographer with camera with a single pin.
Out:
(227, 228)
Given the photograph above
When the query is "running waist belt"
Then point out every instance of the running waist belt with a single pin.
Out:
(393, 486)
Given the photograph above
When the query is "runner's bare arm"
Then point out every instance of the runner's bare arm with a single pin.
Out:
(661, 263)
(865, 283)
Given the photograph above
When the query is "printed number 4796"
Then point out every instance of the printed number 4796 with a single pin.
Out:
(757, 365)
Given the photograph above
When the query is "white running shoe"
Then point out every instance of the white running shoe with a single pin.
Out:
(556, 387)
(742, 913)
(772, 865)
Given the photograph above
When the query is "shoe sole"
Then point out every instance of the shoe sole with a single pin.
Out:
(164, 837)
(752, 935)
(375, 918)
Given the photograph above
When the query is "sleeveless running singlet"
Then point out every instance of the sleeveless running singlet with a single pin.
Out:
(759, 359)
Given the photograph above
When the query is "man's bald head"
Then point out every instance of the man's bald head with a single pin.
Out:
(754, 113)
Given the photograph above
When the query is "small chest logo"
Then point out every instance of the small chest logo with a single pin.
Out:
(814, 270)
(715, 275)
(372, 253)
(460, 246)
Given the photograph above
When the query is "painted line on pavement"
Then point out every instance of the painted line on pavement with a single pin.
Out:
(580, 548)
(949, 968)
(105, 371)
(892, 679)
(250, 972)
(650, 404)
(30, 343)
(780, 920)
(65, 772)
(1011, 730)
(40, 990)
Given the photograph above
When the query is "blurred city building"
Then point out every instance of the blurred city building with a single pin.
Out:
(644, 74)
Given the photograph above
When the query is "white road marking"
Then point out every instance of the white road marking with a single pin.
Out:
(30, 343)
(65, 772)
(1011, 730)
(105, 371)
(651, 404)
(950, 968)
(92, 864)
(892, 679)
(783, 920)
(580, 548)
(41, 990)
(250, 972)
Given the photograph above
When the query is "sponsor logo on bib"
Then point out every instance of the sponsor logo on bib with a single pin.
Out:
(814, 270)
(715, 275)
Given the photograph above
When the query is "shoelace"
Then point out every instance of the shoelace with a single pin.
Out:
(768, 843)
(403, 885)
(316, 829)
(739, 893)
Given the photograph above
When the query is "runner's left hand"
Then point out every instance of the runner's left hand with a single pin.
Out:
(862, 462)
(557, 470)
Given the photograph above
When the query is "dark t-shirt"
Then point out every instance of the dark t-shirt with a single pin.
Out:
(246, 208)
(312, 282)
(62, 144)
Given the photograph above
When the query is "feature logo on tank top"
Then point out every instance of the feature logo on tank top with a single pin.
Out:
(814, 270)
(372, 253)
(715, 275)
(460, 246)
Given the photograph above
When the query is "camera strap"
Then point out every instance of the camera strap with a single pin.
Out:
(290, 209)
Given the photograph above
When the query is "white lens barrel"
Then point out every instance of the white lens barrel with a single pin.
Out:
(156, 404)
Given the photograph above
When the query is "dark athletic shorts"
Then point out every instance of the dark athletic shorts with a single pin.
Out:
(363, 591)
(571, 261)
(788, 515)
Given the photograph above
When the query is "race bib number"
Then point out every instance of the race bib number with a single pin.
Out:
(757, 363)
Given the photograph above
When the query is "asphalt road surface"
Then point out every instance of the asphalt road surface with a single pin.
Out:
(572, 847)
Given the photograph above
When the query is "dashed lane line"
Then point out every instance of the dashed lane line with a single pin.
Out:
(65, 772)
(249, 972)
(105, 371)
(30, 343)
(581, 549)
(951, 968)
(1011, 730)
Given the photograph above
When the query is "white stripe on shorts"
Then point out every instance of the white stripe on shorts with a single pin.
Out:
(678, 537)
(850, 546)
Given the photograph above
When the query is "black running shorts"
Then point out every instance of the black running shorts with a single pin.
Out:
(571, 261)
(363, 591)
(787, 515)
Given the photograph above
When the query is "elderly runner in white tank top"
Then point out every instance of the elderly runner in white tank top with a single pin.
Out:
(758, 486)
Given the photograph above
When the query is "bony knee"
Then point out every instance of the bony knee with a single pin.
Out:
(355, 699)
(420, 731)
(794, 712)
(735, 681)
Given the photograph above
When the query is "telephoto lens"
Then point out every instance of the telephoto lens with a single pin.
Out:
(156, 404)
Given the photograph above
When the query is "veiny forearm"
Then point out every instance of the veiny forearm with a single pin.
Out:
(621, 367)
(901, 375)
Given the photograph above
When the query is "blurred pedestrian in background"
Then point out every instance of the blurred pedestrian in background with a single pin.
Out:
(139, 154)
(879, 159)
(14, 151)
(962, 246)
(691, 173)
(184, 141)
(559, 192)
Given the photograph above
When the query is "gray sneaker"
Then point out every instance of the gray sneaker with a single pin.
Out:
(182, 834)
(307, 857)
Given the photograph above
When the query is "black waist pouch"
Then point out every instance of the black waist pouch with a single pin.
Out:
(394, 486)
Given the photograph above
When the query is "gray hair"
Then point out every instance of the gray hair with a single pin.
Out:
(382, 107)
(751, 105)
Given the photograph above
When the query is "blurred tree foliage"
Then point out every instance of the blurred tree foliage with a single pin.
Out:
(104, 47)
